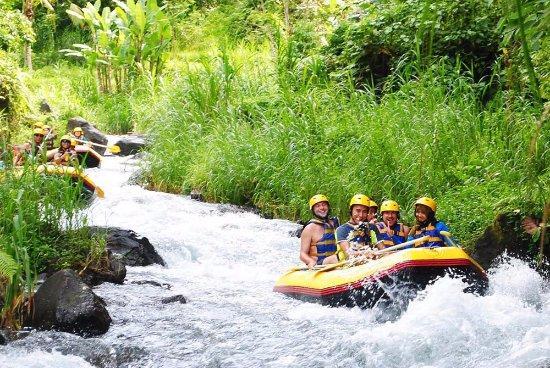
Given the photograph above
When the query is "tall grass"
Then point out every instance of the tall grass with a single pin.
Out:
(247, 135)
(39, 218)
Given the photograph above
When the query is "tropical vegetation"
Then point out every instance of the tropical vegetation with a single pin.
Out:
(267, 102)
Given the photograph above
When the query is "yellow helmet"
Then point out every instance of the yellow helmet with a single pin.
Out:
(38, 125)
(427, 201)
(372, 204)
(359, 199)
(316, 199)
(38, 131)
(47, 127)
(389, 206)
(65, 138)
(78, 129)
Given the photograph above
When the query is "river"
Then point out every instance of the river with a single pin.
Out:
(225, 261)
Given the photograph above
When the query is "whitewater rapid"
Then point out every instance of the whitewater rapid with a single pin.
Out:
(225, 260)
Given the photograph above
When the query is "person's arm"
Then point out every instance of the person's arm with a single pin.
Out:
(406, 231)
(305, 244)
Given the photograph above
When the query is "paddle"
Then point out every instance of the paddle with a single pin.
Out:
(113, 149)
(414, 242)
(448, 239)
(324, 268)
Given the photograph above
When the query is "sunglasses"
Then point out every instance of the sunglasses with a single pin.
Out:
(65, 141)
(39, 135)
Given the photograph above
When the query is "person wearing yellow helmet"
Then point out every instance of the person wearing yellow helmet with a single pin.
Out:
(373, 210)
(427, 224)
(32, 149)
(318, 241)
(65, 155)
(79, 137)
(49, 137)
(354, 234)
(390, 231)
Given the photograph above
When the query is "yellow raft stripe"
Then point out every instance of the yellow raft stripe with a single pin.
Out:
(321, 280)
(85, 149)
(73, 172)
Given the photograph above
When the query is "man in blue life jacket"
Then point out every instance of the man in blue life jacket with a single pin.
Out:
(390, 231)
(318, 241)
(354, 234)
(427, 224)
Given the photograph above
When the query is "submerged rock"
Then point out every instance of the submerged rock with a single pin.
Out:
(153, 283)
(175, 298)
(65, 303)
(90, 132)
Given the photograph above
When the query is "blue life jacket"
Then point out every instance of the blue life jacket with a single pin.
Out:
(433, 231)
(326, 246)
(391, 236)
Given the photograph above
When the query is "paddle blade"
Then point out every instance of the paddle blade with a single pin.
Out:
(114, 149)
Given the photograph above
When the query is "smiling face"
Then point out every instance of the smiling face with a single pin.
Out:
(389, 218)
(372, 213)
(38, 138)
(359, 213)
(321, 209)
(422, 212)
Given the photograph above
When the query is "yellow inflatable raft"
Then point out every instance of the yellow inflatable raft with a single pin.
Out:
(74, 173)
(363, 285)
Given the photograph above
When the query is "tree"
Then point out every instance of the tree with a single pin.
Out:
(28, 11)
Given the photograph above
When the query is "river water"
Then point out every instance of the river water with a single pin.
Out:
(225, 261)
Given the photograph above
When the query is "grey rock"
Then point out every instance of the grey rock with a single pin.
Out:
(114, 271)
(129, 248)
(174, 298)
(65, 303)
(130, 145)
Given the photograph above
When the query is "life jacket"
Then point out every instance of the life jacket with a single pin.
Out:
(391, 236)
(432, 231)
(326, 246)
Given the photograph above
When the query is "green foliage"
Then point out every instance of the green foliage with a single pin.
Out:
(8, 266)
(525, 38)
(13, 96)
(132, 38)
(369, 45)
(37, 219)
(15, 29)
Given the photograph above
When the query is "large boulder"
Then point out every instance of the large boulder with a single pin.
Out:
(111, 270)
(129, 248)
(90, 132)
(130, 145)
(508, 234)
(65, 303)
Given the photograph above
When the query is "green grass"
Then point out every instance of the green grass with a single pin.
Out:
(253, 136)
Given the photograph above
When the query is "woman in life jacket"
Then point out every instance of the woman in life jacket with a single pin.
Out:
(427, 224)
(318, 241)
(390, 231)
(65, 154)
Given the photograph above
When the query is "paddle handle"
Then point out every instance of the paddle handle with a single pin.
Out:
(94, 143)
(403, 245)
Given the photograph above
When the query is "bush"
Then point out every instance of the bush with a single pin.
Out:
(370, 45)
